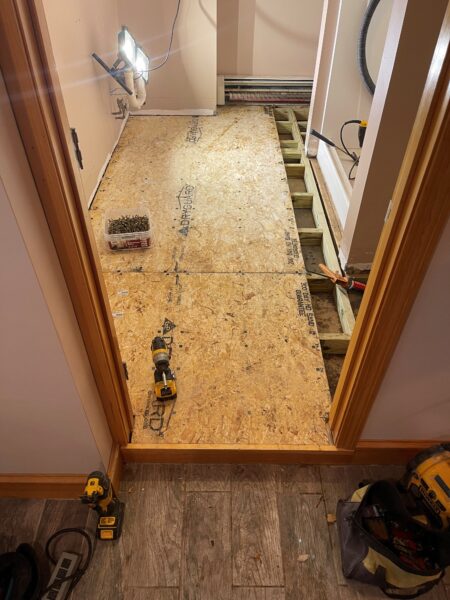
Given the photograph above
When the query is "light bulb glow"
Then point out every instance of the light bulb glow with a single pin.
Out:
(141, 64)
(127, 47)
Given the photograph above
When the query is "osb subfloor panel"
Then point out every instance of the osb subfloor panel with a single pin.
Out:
(217, 192)
(223, 281)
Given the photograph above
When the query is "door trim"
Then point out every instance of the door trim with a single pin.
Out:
(420, 209)
(43, 127)
(406, 248)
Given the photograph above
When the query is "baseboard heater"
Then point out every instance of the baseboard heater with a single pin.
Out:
(267, 90)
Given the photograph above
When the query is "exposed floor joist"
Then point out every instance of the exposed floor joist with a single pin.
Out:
(313, 228)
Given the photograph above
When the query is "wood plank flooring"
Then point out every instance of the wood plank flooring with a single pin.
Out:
(211, 532)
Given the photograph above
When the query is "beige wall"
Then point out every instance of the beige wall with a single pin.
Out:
(340, 93)
(267, 38)
(347, 95)
(188, 80)
(391, 122)
(76, 30)
(414, 400)
(51, 419)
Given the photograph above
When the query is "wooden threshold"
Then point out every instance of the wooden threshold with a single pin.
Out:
(366, 453)
(235, 453)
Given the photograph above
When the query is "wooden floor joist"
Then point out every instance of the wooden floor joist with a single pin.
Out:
(302, 200)
(310, 236)
(334, 343)
(291, 122)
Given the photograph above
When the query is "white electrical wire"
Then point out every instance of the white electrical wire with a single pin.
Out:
(166, 58)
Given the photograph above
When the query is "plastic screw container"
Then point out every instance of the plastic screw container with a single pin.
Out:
(129, 240)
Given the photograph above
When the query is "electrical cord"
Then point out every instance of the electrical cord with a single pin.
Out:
(355, 164)
(75, 577)
(166, 58)
(362, 41)
(352, 155)
(342, 149)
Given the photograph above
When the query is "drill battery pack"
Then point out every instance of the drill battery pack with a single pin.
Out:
(165, 386)
(109, 524)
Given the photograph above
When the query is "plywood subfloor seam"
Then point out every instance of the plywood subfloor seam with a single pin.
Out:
(224, 281)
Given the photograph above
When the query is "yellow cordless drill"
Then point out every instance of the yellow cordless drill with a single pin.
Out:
(100, 496)
(165, 385)
(427, 479)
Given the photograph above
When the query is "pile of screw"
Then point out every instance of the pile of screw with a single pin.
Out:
(128, 224)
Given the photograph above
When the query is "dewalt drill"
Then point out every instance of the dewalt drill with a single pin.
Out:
(165, 386)
(100, 496)
(427, 479)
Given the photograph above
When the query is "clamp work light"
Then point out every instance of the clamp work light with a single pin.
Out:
(131, 64)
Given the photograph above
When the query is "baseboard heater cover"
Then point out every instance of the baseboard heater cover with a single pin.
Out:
(267, 90)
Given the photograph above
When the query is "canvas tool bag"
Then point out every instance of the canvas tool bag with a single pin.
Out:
(368, 559)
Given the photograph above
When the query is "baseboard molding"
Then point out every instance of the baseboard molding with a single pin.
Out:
(41, 486)
(56, 486)
(115, 466)
(106, 163)
(336, 180)
(182, 112)
(389, 452)
(366, 453)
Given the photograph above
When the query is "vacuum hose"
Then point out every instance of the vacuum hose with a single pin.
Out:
(362, 58)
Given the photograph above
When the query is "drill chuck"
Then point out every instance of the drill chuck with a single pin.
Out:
(165, 386)
(160, 354)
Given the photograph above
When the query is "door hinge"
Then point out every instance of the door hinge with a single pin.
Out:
(76, 143)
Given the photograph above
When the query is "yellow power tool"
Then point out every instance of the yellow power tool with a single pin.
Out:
(428, 480)
(99, 495)
(165, 385)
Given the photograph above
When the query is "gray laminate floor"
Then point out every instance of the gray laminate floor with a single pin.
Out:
(211, 532)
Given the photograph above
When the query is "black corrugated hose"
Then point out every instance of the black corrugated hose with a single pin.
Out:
(362, 58)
